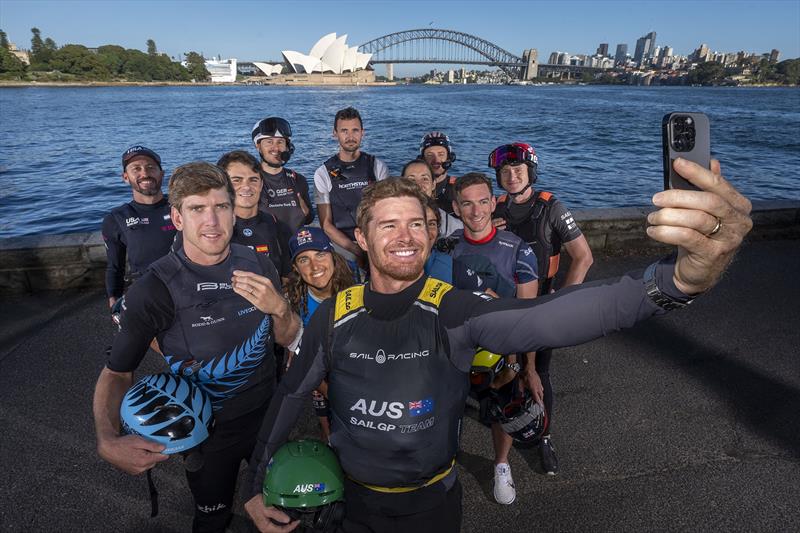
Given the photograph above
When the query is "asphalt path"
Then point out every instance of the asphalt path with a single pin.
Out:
(688, 422)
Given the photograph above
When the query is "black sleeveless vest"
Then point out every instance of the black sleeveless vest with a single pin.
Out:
(217, 335)
(347, 182)
(534, 229)
(147, 232)
(396, 399)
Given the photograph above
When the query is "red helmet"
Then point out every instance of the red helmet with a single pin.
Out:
(509, 154)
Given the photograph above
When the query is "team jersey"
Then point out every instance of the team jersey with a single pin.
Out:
(500, 262)
(281, 196)
(265, 235)
(140, 233)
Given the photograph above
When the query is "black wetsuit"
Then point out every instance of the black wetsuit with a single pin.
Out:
(202, 325)
(281, 194)
(462, 321)
(265, 235)
(141, 233)
(545, 224)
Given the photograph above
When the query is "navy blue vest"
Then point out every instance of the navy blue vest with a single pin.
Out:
(347, 182)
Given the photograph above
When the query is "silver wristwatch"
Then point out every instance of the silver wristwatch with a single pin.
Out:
(662, 300)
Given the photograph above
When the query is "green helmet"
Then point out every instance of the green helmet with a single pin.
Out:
(305, 481)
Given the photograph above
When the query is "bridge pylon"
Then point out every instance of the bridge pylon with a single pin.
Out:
(531, 59)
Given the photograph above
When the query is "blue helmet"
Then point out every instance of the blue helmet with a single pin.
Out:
(169, 409)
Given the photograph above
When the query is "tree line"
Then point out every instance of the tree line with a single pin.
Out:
(110, 62)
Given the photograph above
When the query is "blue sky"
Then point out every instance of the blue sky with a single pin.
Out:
(259, 30)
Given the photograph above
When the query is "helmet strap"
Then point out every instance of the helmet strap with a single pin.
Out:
(153, 494)
(523, 191)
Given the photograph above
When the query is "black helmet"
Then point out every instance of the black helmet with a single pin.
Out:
(437, 138)
(274, 127)
(519, 416)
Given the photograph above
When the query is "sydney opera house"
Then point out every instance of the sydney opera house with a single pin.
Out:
(329, 54)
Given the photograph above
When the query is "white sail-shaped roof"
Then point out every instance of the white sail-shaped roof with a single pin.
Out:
(349, 62)
(301, 62)
(362, 60)
(318, 50)
(334, 55)
(269, 69)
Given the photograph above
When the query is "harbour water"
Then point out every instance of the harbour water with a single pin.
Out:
(599, 146)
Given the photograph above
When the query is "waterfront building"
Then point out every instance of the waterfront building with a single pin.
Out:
(621, 55)
(553, 59)
(602, 50)
(25, 56)
(221, 70)
(774, 55)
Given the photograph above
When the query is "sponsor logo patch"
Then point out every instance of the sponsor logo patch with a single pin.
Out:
(212, 286)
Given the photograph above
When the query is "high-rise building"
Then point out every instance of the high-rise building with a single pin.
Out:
(644, 48)
(621, 54)
(553, 59)
(652, 38)
(702, 54)
(602, 50)
(774, 55)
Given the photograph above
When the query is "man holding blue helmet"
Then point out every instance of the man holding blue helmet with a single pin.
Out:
(215, 309)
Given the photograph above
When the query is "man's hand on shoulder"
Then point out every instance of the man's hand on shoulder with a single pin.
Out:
(131, 453)
(708, 226)
(268, 519)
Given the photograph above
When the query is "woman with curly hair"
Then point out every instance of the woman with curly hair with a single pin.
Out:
(317, 274)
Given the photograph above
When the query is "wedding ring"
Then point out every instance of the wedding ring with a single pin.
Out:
(716, 228)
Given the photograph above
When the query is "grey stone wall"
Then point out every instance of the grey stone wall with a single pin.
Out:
(78, 260)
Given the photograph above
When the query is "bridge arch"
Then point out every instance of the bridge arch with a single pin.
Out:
(481, 51)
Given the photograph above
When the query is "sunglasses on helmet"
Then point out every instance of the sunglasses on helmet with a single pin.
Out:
(510, 154)
(269, 127)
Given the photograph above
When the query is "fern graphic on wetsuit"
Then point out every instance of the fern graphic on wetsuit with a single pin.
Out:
(221, 377)
(218, 337)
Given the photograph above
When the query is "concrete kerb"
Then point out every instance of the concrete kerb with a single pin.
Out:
(78, 260)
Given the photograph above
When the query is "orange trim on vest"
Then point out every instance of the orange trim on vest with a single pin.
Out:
(502, 198)
(552, 269)
(544, 195)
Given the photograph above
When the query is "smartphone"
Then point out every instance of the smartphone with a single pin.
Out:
(685, 135)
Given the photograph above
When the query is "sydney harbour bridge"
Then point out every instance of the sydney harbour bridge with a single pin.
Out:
(440, 46)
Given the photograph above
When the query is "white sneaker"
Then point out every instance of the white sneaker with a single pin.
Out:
(504, 492)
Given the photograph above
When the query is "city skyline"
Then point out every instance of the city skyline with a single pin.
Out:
(577, 27)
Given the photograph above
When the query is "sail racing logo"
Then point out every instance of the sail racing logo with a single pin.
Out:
(382, 357)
